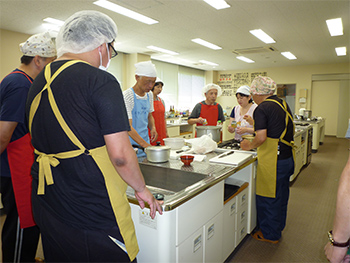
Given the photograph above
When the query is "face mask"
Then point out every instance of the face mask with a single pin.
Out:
(109, 60)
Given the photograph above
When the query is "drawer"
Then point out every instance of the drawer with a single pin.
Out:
(242, 200)
(241, 233)
(173, 131)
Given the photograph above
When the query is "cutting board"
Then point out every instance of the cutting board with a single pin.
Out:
(235, 159)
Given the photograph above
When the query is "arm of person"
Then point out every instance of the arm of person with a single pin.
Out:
(124, 160)
(136, 137)
(259, 139)
(242, 130)
(152, 128)
(195, 118)
(341, 225)
(249, 119)
(6, 130)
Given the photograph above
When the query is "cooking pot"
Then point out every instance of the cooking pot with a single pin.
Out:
(215, 131)
(158, 154)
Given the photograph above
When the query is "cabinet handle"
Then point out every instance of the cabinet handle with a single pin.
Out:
(211, 231)
(233, 208)
(197, 243)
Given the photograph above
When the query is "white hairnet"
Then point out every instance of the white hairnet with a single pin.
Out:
(39, 44)
(84, 31)
(146, 68)
(245, 90)
(210, 86)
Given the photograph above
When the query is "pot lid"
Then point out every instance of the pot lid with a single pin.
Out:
(158, 148)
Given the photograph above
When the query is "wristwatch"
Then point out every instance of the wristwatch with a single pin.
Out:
(335, 243)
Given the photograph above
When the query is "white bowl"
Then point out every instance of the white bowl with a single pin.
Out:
(174, 143)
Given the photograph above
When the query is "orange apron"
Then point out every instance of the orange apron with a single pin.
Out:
(159, 121)
(20, 154)
(209, 112)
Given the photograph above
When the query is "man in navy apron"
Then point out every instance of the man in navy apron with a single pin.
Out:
(139, 105)
(20, 235)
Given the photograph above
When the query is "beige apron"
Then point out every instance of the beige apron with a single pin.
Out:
(116, 187)
(266, 177)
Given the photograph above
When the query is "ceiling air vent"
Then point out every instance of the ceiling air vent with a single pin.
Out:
(254, 50)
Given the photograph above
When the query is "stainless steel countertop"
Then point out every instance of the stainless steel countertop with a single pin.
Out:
(185, 181)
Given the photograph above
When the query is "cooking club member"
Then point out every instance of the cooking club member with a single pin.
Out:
(274, 128)
(84, 159)
(17, 152)
(208, 112)
(139, 106)
(242, 113)
(159, 115)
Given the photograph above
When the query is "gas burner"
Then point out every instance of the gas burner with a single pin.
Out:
(302, 124)
(230, 144)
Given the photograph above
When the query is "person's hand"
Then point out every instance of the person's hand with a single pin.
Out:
(241, 130)
(154, 135)
(336, 254)
(245, 145)
(200, 120)
(249, 119)
(231, 129)
(154, 204)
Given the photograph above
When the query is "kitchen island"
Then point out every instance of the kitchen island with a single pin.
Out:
(208, 210)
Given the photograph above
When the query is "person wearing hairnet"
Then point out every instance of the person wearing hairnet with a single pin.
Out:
(274, 128)
(20, 235)
(159, 114)
(83, 158)
(139, 106)
(208, 112)
(242, 114)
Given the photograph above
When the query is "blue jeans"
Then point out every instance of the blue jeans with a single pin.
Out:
(272, 212)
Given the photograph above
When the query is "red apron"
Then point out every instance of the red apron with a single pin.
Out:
(159, 121)
(211, 113)
(20, 154)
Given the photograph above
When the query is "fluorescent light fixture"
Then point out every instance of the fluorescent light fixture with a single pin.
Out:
(208, 63)
(217, 4)
(335, 27)
(166, 51)
(51, 27)
(288, 55)
(125, 12)
(206, 44)
(341, 51)
(262, 36)
(245, 59)
(53, 21)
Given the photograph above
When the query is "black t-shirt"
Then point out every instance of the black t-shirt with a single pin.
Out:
(91, 102)
(270, 116)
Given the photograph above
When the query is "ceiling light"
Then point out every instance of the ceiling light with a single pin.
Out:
(289, 55)
(163, 50)
(125, 12)
(335, 26)
(217, 4)
(262, 36)
(51, 27)
(208, 63)
(54, 21)
(245, 59)
(206, 44)
(341, 51)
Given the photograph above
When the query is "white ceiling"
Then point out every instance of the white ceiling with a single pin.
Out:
(297, 26)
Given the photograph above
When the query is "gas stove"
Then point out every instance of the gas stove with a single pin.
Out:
(232, 144)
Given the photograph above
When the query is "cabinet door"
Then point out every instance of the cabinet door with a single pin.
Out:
(173, 131)
(229, 228)
(213, 239)
(191, 250)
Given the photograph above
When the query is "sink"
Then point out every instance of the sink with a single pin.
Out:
(168, 179)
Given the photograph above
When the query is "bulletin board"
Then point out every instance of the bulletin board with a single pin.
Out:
(229, 83)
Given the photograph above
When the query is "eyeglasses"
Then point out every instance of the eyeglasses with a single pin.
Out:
(114, 53)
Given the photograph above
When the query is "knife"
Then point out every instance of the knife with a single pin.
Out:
(226, 154)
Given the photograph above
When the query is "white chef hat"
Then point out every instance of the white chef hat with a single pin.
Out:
(210, 86)
(146, 68)
(158, 80)
(245, 90)
(39, 44)
(84, 31)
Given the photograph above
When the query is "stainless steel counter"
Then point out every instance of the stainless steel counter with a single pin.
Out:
(179, 183)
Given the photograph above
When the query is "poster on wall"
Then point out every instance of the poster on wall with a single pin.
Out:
(229, 83)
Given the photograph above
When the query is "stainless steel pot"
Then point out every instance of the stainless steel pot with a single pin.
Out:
(215, 131)
(158, 154)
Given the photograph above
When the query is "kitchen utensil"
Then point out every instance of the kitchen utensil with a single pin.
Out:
(234, 159)
(187, 159)
(223, 155)
(215, 131)
(174, 143)
(155, 154)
